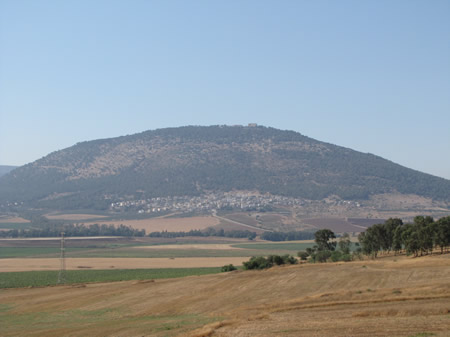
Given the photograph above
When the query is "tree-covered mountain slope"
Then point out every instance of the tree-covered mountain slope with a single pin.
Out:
(193, 160)
(5, 169)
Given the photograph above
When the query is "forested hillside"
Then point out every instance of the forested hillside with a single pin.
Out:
(5, 169)
(193, 160)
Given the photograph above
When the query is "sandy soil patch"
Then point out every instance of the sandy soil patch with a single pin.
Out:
(191, 246)
(11, 265)
(73, 216)
(167, 224)
(59, 238)
(5, 219)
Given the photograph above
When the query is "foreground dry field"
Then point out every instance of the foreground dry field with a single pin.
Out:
(388, 297)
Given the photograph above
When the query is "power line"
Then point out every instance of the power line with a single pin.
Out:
(62, 262)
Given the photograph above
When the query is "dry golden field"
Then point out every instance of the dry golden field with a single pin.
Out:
(7, 219)
(75, 217)
(398, 296)
(29, 264)
(168, 224)
(220, 246)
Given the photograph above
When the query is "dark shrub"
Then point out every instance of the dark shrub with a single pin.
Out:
(303, 255)
(258, 262)
(228, 267)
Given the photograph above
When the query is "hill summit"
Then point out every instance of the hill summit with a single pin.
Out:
(194, 160)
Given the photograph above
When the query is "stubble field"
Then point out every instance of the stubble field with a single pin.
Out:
(166, 224)
(29, 262)
(36, 264)
(397, 296)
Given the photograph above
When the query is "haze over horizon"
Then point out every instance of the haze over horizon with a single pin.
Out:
(371, 76)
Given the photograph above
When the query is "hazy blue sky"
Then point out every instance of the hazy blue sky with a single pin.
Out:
(370, 75)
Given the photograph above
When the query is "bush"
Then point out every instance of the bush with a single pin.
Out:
(336, 256)
(275, 259)
(259, 262)
(322, 256)
(347, 257)
(228, 267)
(303, 255)
(289, 259)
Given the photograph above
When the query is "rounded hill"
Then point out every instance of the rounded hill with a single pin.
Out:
(193, 160)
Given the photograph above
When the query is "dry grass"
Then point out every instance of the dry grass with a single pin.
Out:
(75, 217)
(168, 224)
(406, 297)
(191, 246)
(26, 264)
(6, 219)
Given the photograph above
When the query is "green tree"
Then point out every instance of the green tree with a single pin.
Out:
(410, 238)
(442, 233)
(424, 228)
(397, 242)
(323, 239)
(344, 243)
(370, 241)
(390, 227)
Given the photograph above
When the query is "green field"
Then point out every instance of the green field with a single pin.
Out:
(48, 278)
(169, 253)
(53, 252)
(12, 252)
(290, 246)
(129, 251)
(15, 225)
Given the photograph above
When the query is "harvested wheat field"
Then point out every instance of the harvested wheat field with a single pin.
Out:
(6, 219)
(34, 264)
(407, 297)
(166, 224)
(220, 246)
(58, 216)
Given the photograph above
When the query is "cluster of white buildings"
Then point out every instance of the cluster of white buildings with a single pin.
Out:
(207, 202)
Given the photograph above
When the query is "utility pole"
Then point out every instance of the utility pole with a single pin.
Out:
(62, 262)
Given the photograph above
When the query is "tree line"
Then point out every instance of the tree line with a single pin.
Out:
(326, 249)
(51, 230)
(417, 238)
(208, 232)
(261, 262)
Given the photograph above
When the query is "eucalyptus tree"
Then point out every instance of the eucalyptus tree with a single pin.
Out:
(323, 239)
(442, 233)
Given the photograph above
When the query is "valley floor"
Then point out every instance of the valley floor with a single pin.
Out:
(389, 297)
